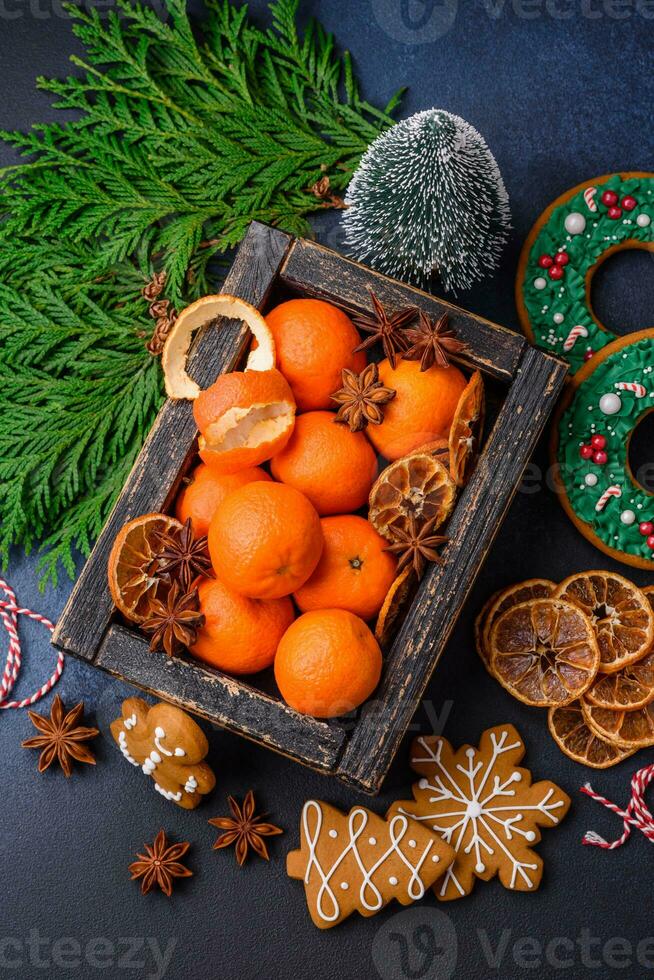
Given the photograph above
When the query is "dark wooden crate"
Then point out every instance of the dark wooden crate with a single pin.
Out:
(270, 260)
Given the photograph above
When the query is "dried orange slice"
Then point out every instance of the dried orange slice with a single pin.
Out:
(629, 729)
(628, 689)
(620, 612)
(466, 430)
(200, 314)
(132, 564)
(544, 652)
(480, 623)
(395, 604)
(418, 486)
(513, 595)
(569, 730)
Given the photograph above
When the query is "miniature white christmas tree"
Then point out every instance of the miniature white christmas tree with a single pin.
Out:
(428, 199)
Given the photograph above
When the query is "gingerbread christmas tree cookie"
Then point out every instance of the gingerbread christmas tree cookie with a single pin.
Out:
(485, 806)
(168, 745)
(360, 862)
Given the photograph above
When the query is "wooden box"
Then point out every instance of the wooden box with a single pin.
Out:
(527, 383)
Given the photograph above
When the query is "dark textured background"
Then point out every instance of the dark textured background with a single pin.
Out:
(562, 93)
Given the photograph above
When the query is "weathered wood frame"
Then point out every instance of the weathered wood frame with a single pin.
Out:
(268, 259)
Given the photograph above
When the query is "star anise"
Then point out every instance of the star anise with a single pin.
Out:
(160, 865)
(385, 327)
(61, 737)
(183, 557)
(244, 829)
(361, 398)
(433, 341)
(416, 545)
(174, 623)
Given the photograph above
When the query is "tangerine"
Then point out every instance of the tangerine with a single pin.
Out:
(328, 663)
(314, 341)
(240, 635)
(206, 490)
(332, 466)
(265, 540)
(422, 410)
(354, 571)
(244, 418)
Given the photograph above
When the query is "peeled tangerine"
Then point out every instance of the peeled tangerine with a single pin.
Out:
(244, 418)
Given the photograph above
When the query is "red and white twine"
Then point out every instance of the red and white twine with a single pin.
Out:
(9, 613)
(636, 815)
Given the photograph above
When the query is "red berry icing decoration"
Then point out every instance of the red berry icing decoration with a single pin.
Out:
(614, 213)
(586, 452)
(598, 441)
(600, 457)
(545, 261)
(555, 272)
(646, 528)
(629, 203)
(650, 542)
(561, 258)
(588, 354)
(609, 198)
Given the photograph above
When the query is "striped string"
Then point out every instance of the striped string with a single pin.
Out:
(9, 613)
(636, 815)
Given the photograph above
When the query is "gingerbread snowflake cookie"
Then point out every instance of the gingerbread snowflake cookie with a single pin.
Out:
(485, 806)
(168, 745)
(360, 862)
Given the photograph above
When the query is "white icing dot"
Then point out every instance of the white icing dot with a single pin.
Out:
(333, 833)
(480, 868)
(470, 753)
(590, 479)
(423, 784)
(412, 843)
(627, 517)
(344, 886)
(558, 318)
(435, 858)
(610, 403)
(575, 223)
(516, 777)
(392, 880)
(540, 283)
(643, 220)
(530, 835)
(372, 841)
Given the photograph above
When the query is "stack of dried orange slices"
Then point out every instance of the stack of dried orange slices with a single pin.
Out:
(584, 649)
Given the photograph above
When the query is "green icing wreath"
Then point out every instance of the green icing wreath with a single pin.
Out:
(553, 307)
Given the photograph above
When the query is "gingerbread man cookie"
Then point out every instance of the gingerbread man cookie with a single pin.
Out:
(485, 807)
(360, 862)
(168, 745)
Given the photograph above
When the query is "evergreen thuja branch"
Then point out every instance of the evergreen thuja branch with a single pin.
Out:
(180, 138)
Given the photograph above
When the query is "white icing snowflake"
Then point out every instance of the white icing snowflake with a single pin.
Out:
(485, 807)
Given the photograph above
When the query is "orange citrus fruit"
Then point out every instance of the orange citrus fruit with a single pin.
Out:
(332, 466)
(628, 729)
(569, 730)
(512, 595)
(354, 571)
(205, 490)
(328, 663)
(244, 418)
(544, 652)
(628, 689)
(240, 635)
(314, 341)
(133, 563)
(422, 410)
(418, 486)
(265, 540)
(620, 612)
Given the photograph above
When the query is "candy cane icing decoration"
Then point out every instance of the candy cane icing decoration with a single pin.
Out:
(589, 198)
(574, 335)
(639, 390)
(613, 491)
(356, 825)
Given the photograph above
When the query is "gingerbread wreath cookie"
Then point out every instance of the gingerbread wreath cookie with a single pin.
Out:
(572, 237)
(486, 807)
(605, 402)
(360, 862)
